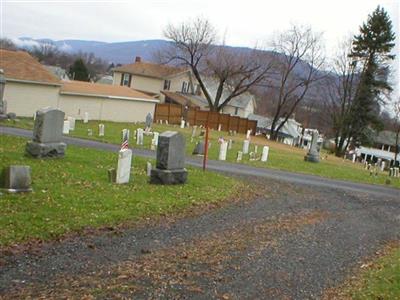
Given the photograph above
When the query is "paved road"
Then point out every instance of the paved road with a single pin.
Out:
(292, 243)
(238, 169)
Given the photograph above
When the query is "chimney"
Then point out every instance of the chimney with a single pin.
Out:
(138, 59)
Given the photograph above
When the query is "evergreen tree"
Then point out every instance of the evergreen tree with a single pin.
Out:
(78, 71)
(371, 52)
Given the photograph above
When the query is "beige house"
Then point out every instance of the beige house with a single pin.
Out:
(154, 78)
(105, 102)
(30, 86)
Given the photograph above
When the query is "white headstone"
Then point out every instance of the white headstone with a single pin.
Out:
(125, 134)
(148, 169)
(248, 134)
(354, 158)
(155, 137)
(230, 144)
(182, 123)
(153, 144)
(139, 136)
(101, 129)
(124, 166)
(219, 127)
(222, 150)
(239, 156)
(255, 149)
(89, 132)
(86, 117)
(383, 166)
(264, 156)
(246, 145)
(166, 122)
(71, 123)
(194, 131)
(34, 116)
(66, 127)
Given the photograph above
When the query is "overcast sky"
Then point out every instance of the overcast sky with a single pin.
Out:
(243, 23)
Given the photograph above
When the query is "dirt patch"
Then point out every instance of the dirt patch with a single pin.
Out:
(185, 271)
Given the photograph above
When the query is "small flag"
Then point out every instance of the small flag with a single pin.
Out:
(125, 143)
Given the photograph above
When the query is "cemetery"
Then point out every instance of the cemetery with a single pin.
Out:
(72, 193)
(277, 156)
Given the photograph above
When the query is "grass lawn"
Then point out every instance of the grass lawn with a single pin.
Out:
(379, 279)
(281, 156)
(73, 193)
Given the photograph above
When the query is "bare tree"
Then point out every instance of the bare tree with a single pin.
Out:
(193, 45)
(298, 60)
(340, 92)
(7, 44)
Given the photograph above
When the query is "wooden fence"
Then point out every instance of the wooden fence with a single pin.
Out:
(174, 113)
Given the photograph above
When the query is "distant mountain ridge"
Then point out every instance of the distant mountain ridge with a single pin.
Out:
(116, 52)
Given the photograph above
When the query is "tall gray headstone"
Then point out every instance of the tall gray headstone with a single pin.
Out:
(313, 153)
(170, 165)
(3, 109)
(149, 120)
(47, 134)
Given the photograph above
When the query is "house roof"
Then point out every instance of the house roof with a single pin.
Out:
(288, 129)
(105, 90)
(262, 122)
(180, 98)
(19, 65)
(150, 70)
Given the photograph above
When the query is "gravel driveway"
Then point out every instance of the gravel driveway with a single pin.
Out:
(293, 242)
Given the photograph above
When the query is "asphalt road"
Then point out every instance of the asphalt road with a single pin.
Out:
(237, 169)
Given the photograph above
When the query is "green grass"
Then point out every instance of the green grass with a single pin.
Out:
(381, 281)
(281, 157)
(73, 192)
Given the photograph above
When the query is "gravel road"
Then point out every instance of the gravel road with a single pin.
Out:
(293, 242)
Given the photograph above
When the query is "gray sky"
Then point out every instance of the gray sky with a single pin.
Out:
(243, 23)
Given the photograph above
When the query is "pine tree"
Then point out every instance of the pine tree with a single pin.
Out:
(78, 71)
(371, 51)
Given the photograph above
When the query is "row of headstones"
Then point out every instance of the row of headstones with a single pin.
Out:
(69, 123)
(393, 172)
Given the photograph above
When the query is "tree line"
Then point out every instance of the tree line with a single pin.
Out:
(295, 76)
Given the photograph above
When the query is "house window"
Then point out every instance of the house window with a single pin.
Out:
(125, 79)
(167, 84)
(184, 87)
(236, 111)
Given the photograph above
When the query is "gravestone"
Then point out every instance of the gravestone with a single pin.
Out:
(383, 166)
(16, 179)
(3, 105)
(89, 132)
(230, 144)
(124, 166)
(255, 149)
(155, 138)
(248, 134)
(264, 155)
(170, 165)
(148, 169)
(139, 136)
(313, 153)
(101, 129)
(71, 123)
(354, 158)
(86, 118)
(219, 127)
(239, 156)
(153, 144)
(222, 150)
(182, 123)
(149, 120)
(199, 149)
(66, 127)
(246, 145)
(125, 134)
(194, 129)
(47, 134)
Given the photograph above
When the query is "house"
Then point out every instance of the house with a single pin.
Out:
(240, 106)
(106, 79)
(30, 87)
(105, 102)
(289, 134)
(153, 78)
(383, 149)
